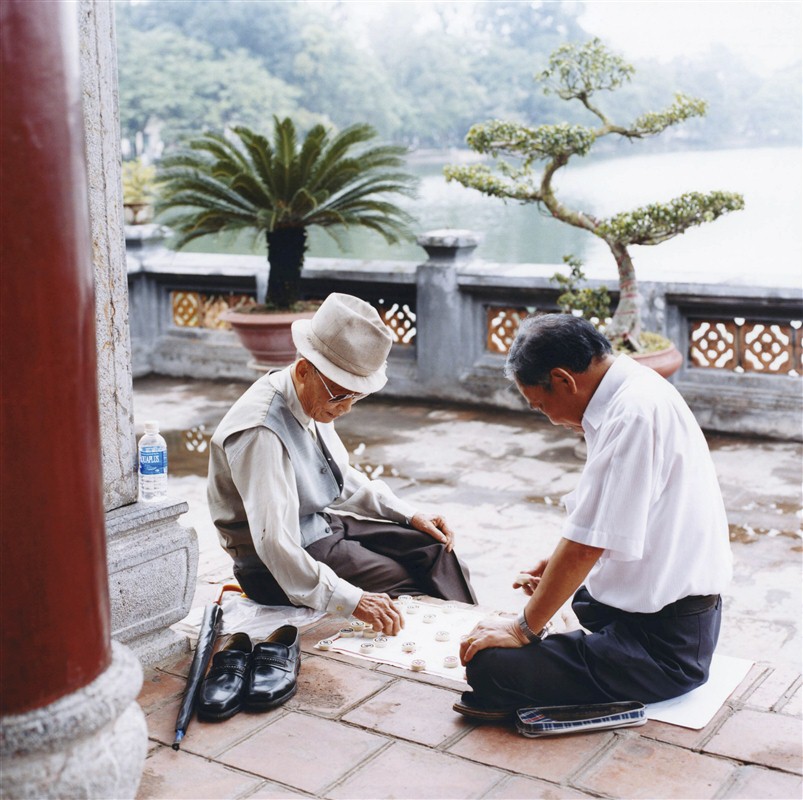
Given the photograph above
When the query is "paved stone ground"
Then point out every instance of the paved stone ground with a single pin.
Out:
(359, 730)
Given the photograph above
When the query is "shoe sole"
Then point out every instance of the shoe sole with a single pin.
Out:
(484, 715)
(205, 716)
(251, 706)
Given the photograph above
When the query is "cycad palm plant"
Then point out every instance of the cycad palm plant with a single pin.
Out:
(219, 183)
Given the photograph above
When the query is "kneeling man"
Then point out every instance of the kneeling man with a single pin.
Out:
(282, 492)
(645, 550)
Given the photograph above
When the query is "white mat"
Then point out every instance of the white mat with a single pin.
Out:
(697, 708)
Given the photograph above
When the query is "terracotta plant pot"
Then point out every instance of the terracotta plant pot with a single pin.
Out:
(266, 336)
(665, 362)
(138, 213)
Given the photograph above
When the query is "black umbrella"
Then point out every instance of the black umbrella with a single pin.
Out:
(210, 627)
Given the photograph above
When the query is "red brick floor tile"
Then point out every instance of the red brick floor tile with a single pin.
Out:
(636, 767)
(689, 738)
(303, 751)
(412, 773)
(516, 788)
(180, 665)
(273, 791)
(552, 759)
(423, 677)
(158, 688)
(324, 629)
(327, 687)
(758, 737)
(181, 775)
(770, 693)
(756, 674)
(206, 738)
(410, 710)
(793, 707)
(755, 782)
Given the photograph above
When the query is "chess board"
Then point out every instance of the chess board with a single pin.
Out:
(429, 641)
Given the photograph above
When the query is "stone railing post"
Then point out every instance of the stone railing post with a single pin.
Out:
(440, 310)
(146, 545)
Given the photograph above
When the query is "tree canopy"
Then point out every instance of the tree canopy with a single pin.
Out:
(419, 79)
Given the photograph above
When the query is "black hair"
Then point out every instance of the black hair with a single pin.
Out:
(547, 341)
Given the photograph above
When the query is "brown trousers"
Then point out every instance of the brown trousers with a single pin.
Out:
(376, 557)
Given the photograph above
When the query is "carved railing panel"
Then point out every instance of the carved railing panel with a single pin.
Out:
(502, 325)
(203, 310)
(747, 345)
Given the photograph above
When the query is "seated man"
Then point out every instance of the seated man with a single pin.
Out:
(281, 491)
(645, 548)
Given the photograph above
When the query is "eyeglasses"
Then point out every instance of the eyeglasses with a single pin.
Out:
(338, 398)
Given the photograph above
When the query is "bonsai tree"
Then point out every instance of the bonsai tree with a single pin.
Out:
(219, 183)
(580, 72)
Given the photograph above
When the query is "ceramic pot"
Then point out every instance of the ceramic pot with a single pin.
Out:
(266, 336)
(665, 362)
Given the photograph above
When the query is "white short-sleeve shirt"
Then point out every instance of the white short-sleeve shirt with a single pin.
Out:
(648, 496)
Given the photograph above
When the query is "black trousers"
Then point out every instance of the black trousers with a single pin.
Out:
(376, 557)
(644, 657)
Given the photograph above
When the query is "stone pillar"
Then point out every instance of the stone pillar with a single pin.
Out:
(70, 723)
(441, 351)
(102, 136)
(152, 559)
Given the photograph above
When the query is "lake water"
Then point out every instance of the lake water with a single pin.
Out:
(760, 245)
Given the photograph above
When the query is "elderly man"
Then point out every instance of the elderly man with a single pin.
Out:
(645, 550)
(282, 492)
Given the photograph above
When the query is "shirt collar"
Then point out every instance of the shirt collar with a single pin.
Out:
(614, 377)
(283, 382)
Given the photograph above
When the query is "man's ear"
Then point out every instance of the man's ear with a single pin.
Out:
(563, 378)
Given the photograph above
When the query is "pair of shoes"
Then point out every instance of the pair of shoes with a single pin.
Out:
(469, 707)
(551, 720)
(255, 677)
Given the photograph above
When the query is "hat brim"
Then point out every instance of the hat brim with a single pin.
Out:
(364, 384)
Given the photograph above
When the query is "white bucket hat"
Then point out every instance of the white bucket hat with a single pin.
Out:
(347, 341)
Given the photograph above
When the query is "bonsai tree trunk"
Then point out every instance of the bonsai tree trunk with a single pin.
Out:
(626, 322)
(286, 248)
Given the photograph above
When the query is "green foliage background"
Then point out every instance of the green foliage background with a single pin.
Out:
(207, 64)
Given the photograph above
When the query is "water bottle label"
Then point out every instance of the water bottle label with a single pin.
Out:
(152, 461)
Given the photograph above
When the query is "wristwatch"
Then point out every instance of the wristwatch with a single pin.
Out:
(529, 633)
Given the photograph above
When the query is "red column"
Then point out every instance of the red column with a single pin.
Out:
(53, 574)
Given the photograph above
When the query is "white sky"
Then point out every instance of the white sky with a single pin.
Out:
(767, 32)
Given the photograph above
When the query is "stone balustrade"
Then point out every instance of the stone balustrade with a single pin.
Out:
(453, 318)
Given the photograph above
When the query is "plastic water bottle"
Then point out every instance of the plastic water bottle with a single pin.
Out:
(152, 464)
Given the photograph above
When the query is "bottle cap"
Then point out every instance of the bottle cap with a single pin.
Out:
(152, 426)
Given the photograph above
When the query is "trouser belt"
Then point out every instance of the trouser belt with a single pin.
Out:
(693, 604)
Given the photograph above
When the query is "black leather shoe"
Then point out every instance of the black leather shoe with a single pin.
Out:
(274, 670)
(223, 689)
(468, 706)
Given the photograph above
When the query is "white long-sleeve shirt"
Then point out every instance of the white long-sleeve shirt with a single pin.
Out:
(264, 477)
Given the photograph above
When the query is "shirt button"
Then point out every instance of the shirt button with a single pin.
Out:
(329, 530)
(323, 470)
(338, 608)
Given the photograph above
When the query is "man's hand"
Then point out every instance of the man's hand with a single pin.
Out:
(491, 632)
(378, 610)
(528, 579)
(435, 525)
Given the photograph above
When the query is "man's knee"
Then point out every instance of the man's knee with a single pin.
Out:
(482, 669)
